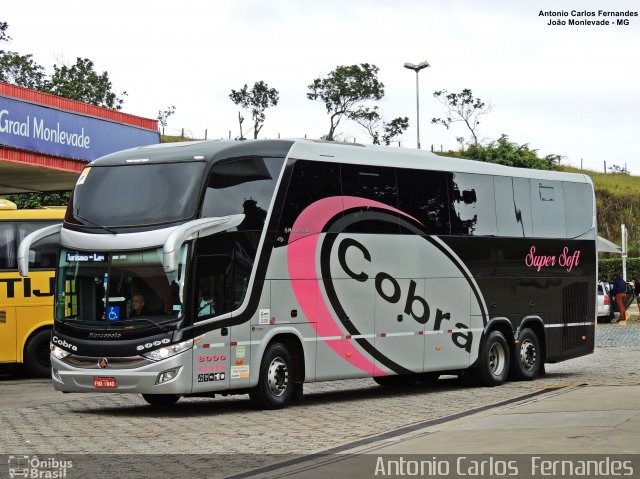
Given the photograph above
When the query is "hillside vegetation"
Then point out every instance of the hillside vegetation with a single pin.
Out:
(618, 202)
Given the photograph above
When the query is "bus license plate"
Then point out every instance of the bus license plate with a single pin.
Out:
(104, 383)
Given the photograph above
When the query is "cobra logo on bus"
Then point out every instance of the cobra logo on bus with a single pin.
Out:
(408, 275)
(410, 300)
(16, 289)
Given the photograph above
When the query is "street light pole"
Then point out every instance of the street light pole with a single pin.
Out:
(417, 68)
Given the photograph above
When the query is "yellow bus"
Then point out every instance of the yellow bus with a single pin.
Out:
(26, 304)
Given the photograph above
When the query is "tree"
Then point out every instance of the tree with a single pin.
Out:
(19, 69)
(4, 37)
(78, 82)
(393, 129)
(163, 116)
(81, 82)
(36, 200)
(380, 130)
(344, 91)
(462, 107)
(620, 170)
(240, 122)
(257, 100)
(505, 152)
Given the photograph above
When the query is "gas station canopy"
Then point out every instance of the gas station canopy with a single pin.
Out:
(606, 246)
(46, 140)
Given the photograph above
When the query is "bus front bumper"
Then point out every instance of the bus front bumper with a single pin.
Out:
(169, 376)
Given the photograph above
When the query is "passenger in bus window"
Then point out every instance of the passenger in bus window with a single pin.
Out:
(137, 306)
(205, 304)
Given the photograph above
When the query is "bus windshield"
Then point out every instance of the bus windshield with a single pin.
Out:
(136, 194)
(107, 290)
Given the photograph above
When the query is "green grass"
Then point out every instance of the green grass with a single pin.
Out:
(615, 184)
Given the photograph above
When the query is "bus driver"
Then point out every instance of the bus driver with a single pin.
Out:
(137, 306)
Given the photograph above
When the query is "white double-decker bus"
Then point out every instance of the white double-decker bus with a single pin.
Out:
(215, 267)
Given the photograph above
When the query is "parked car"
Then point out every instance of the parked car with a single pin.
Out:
(605, 303)
(602, 305)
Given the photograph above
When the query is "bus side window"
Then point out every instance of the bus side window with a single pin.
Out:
(372, 183)
(473, 201)
(242, 186)
(423, 195)
(213, 274)
(311, 181)
(578, 208)
(223, 266)
(513, 206)
(7, 246)
(547, 206)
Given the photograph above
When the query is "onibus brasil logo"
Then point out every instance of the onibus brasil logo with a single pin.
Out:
(36, 468)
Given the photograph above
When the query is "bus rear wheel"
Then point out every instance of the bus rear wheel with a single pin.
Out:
(275, 384)
(494, 361)
(161, 400)
(37, 355)
(527, 360)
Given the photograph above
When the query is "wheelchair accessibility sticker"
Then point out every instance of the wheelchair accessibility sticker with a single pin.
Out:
(113, 313)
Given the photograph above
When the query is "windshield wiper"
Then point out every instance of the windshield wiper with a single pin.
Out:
(82, 218)
(149, 321)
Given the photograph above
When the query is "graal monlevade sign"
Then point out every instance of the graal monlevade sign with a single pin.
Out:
(60, 133)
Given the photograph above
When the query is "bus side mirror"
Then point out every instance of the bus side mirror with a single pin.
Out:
(193, 229)
(24, 253)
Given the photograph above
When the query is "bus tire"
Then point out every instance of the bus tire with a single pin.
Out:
(397, 381)
(527, 357)
(494, 361)
(275, 384)
(37, 355)
(161, 400)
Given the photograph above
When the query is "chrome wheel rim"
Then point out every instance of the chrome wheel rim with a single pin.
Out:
(278, 377)
(528, 354)
(497, 359)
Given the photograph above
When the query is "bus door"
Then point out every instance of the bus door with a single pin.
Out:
(7, 290)
(8, 347)
(448, 341)
(211, 357)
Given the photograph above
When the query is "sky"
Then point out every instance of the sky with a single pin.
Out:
(563, 89)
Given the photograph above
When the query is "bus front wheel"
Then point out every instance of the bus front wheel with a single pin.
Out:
(37, 359)
(275, 384)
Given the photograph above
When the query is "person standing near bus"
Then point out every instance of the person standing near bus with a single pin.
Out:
(619, 293)
(636, 291)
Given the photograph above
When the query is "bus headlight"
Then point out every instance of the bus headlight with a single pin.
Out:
(168, 351)
(57, 352)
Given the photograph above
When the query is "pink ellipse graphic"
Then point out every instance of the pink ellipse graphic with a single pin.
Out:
(301, 261)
